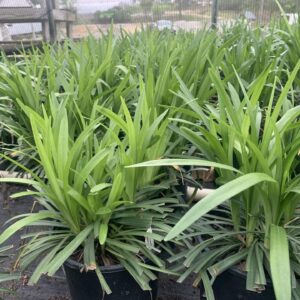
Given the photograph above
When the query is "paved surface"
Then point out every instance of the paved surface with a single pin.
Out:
(80, 31)
(55, 288)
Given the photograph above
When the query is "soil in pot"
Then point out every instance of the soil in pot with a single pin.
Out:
(231, 285)
(86, 286)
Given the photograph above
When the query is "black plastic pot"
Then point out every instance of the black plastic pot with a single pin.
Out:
(4, 164)
(231, 285)
(86, 286)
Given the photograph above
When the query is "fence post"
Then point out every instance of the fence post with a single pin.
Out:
(261, 12)
(214, 14)
(52, 28)
(60, 35)
(69, 29)
(45, 25)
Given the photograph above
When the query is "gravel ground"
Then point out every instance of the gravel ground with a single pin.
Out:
(55, 288)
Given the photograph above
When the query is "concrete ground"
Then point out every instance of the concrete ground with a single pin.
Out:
(84, 30)
(55, 288)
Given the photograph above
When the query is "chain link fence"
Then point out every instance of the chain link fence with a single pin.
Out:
(94, 16)
(174, 14)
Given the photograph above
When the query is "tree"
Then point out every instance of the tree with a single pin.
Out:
(36, 2)
(146, 5)
(179, 6)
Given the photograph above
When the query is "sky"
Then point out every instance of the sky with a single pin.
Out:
(91, 6)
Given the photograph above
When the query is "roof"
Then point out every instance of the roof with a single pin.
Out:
(16, 3)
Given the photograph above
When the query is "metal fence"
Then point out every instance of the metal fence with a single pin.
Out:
(130, 15)
(178, 14)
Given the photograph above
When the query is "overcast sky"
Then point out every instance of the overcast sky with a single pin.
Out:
(91, 6)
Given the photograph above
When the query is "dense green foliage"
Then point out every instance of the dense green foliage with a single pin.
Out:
(76, 116)
(254, 127)
(105, 70)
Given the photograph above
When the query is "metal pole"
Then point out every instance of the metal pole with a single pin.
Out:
(52, 28)
(69, 29)
(214, 14)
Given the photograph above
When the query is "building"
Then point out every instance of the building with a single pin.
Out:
(18, 30)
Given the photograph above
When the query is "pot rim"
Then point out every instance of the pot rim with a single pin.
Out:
(242, 274)
(73, 264)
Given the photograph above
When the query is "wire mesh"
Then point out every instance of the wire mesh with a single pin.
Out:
(94, 16)
(177, 14)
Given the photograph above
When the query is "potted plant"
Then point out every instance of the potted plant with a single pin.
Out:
(252, 250)
(104, 223)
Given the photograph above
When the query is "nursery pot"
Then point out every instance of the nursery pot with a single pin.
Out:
(231, 285)
(4, 164)
(86, 286)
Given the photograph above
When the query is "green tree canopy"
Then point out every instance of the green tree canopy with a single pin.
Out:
(146, 5)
